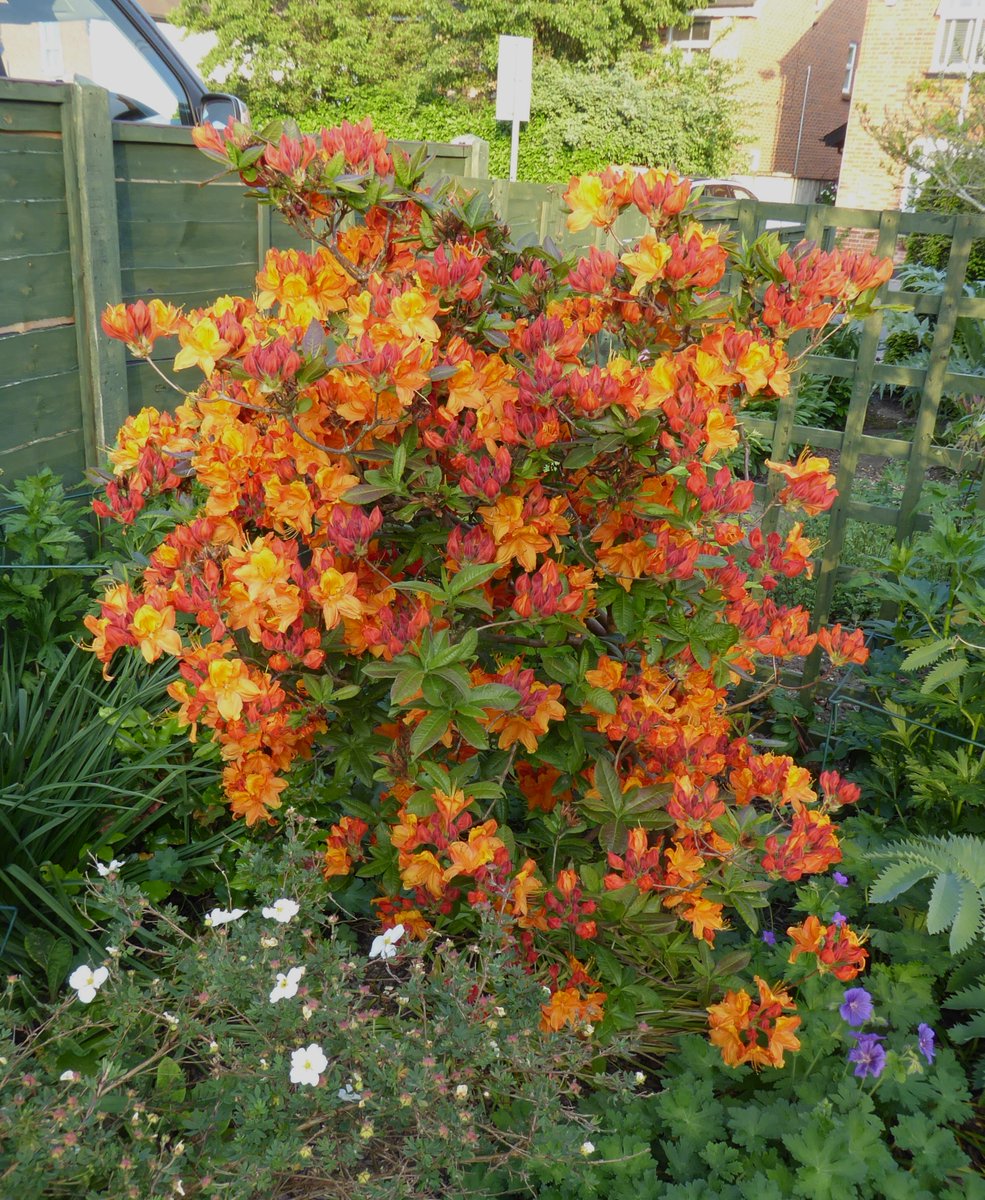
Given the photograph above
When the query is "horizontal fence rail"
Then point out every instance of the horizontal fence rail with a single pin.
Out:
(93, 213)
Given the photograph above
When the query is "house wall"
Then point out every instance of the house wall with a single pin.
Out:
(897, 52)
(791, 58)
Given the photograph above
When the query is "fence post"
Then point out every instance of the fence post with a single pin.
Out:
(477, 160)
(933, 384)
(90, 186)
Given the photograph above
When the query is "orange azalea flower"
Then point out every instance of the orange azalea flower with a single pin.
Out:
(721, 434)
(568, 1007)
(843, 647)
(738, 1024)
(807, 937)
(413, 313)
(705, 917)
(536, 783)
(525, 884)
(423, 870)
(811, 486)
(467, 857)
(252, 788)
(155, 632)
(838, 948)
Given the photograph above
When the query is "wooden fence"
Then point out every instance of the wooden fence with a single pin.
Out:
(92, 213)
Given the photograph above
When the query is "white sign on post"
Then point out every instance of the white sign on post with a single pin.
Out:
(514, 74)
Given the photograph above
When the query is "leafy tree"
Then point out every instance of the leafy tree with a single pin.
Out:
(941, 140)
(425, 69)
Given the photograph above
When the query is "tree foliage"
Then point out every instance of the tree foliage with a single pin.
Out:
(426, 69)
(940, 140)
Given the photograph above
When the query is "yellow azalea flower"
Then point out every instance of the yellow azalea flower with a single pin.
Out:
(648, 263)
(721, 434)
(231, 685)
(586, 197)
(201, 346)
(336, 593)
(412, 313)
(155, 632)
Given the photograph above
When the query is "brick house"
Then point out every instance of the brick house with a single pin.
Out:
(904, 43)
(796, 63)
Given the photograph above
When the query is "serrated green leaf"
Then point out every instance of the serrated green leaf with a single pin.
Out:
(923, 656)
(968, 919)
(943, 673)
(945, 900)
(895, 880)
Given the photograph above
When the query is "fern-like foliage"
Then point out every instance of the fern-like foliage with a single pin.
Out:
(957, 897)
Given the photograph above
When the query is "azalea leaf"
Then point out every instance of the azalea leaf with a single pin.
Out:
(431, 729)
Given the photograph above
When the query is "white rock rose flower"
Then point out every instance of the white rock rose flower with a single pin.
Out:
(282, 910)
(87, 981)
(307, 1063)
(223, 916)
(286, 986)
(109, 868)
(385, 946)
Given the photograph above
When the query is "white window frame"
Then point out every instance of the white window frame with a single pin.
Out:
(846, 87)
(950, 13)
(690, 42)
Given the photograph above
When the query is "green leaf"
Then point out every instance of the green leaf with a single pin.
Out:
(170, 1082)
(494, 695)
(943, 673)
(600, 699)
(945, 900)
(895, 880)
(923, 656)
(472, 731)
(406, 685)
(968, 918)
(430, 730)
(472, 575)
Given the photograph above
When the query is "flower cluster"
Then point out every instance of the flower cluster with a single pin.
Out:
(468, 510)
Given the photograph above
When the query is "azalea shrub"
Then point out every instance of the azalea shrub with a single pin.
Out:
(249, 1054)
(459, 566)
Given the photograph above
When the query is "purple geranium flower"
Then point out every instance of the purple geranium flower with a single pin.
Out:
(925, 1042)
(857, 1008)
(840, 880)
(769, 937)
(868, 1055)
(838, 918)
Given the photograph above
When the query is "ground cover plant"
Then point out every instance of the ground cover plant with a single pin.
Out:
(463, 561)
(235, 1053)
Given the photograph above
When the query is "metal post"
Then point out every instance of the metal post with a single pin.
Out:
(514, 149)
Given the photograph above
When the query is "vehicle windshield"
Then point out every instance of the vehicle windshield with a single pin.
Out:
(90, 41)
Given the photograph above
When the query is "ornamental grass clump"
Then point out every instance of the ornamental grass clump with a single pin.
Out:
(457, 546)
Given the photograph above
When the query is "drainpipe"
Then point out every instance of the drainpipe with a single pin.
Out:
(800, 131)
